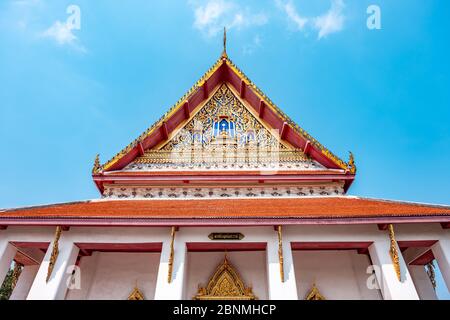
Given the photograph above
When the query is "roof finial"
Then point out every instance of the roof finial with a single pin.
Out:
(97, 167)
(351, 166)
(224, 53)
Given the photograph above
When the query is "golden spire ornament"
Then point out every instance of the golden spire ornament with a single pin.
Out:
(224, 52)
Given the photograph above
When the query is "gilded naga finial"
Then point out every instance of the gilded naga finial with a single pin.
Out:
(224, 52)
(97, 166)
(351, 163)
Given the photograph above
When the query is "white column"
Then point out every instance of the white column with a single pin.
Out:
(24, 283)
(173, 290)
(391, 287)
(422, 283)
(279, 290)
(56, 287)
(7, 253)
(441, 252)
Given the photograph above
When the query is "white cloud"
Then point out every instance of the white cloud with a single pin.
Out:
(332, 21)
(62, 33)
(211, 16)
(292, 14)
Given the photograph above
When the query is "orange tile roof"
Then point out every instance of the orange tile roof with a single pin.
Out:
(327, 207)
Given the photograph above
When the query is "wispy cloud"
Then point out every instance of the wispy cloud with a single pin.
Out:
(62, 34)
(332, 21)
(253, 45)
(212, 15)
(292, 14)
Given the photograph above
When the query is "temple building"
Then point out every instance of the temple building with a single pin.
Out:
(225, 197)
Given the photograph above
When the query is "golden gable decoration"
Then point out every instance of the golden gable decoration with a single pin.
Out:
(225, 284)
(223, 130)
(242, 126)
(136, 294)
(314, 294)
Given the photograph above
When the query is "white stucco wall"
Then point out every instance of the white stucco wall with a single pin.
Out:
(337, 274)
(251, 266)
(111, 275)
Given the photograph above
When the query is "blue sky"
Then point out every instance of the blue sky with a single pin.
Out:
(68, 94)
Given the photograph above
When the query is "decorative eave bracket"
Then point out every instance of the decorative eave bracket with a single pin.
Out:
(55, 253)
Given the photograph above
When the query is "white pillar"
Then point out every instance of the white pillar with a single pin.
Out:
(279, 290)
(391, 287)
(24, 282)
(173, 290)
(441, 252)
(56, 287)
(422, 283)
(7, 253)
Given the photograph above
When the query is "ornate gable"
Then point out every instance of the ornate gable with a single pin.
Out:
(223, 133)
(225, 71)
(222, 136)
(224, 116)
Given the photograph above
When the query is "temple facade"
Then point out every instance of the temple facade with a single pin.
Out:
(225, 197)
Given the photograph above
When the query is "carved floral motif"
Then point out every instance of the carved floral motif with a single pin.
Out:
(117, 192)
(224, 134)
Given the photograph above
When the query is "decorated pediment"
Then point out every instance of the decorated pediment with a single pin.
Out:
(224, 120)
(225, 284)
(224, 132)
